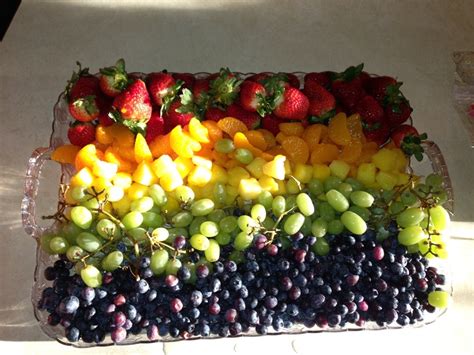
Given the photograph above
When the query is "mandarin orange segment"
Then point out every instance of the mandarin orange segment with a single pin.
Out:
(338, 130)
(65, 154)
(257, 139)
(122, 135)
(351, 152)
(231, 126)
(354, 124)
(86, 157)
(291, 128)
(219, 158)
(127, 153)
(142, 151)
(296, 149)
(280, 137)
(206, 150)
(324, 153)
(198, 131)
(368, 149)
(103, 135)
(241, 141)
(269, 137)
(267, 156)
(112, 155)
(312, 135)
(276, 150)
(161, 146)
(215, 133)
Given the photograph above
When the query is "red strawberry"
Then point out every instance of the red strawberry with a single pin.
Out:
(251, 95)
(105, 107)
(155, 126)
(396, 114)
(251, 119)
(259, 77)
(114, 80)
(270, 123)
(364, 79)
(347, 88)
(214, 114)
(321, 102)
(200, 88)
(293, 80)
(82, 84)
(378, 132)
(291, 105)
(323, 79)
(84, 109)
(369, 110)
(162, 88)
(408, 139)
(223, 88)
(133, 106)
(81, 134)
(187, 79)
(377, 86)
(173, 117)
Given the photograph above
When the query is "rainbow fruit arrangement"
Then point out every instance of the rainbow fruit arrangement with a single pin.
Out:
(219, 206)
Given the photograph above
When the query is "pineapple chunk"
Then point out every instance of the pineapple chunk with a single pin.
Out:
(303, 173)
(339, 168)
(144, 175)
(275, 168)
(184, 166)
(137, 191)
(268, 183)
(281, 187)
(321, 171)
(366, 173)
(206, 163)
(219, 174)
(122, 207)
(256, 167)
(236, 174)
(231, 194)
(199, 176)
(123, 180)
(385, 159)
(83, 177)
(162, 165)
(387, 181)
(249, 189)
(171, 180)
(142, 150)
(293, 186)
(104, 169)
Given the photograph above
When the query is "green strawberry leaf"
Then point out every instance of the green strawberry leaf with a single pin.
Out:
(324, 119)
(224, 89)
(349, 74)
(169, 98)
(74, 78)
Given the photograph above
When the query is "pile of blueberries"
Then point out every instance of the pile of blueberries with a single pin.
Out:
(274, 289)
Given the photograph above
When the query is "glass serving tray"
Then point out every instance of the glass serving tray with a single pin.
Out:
(432, 162)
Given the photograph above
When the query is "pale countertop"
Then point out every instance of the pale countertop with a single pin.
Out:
(411, 40)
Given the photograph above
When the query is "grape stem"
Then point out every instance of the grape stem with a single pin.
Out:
(273, 232)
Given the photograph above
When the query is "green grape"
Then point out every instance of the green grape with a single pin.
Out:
(322, 197)
(199, 242)
(278, 205)
(223, 238)
(152, 220)
(88, 242)
(410, 217)
(237, 256)
(182, 219)
(345, 189)
(319, 227)
(202, 207)
(439, 249)
(216, 215)
(219, 192)
(266, 199)
(411, 249)
(58, 245)
(305, 204)
(74, 253)
(114, 193)
(70, 232)
(78, 268)
(361, 211)
(290, 201)
(243, 156)
(194, 227)
(138, 234)
(388, 195)
(424, 248)
(143, 204)
(434, 180)
(353, 222)
(158, 261)
(422, 190)
(107, 229)
(356, 185)
(158, 195)
(440, 218)
(172, 266)
(192, 269)
(79, 193)
(209, 229)
(396, 207)
(174, 232)
(411, 235)
(112, 261)
(337, 200)
(81, 216)
(45, 239)
(258, 212)
(306, 227)
(321, 247)
(408, 198)
(246, 223)
(224, 145)
(332, 183)
(228, 224)
(293, 223)
(438, 299)
(335, 227)
(212, 253)
(268, 223)
(242, 241)
(374, 192)
(91, 204)
(160, 234)
(326, 211)
(316, 187)
(132, 220)
(362, 199)
(91, 276)
(184, 194)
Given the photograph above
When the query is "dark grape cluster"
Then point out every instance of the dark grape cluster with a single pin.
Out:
(360, 280)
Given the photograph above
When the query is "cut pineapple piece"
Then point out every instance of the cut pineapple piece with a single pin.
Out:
(249, 189)
(144, 175)
(275, 168)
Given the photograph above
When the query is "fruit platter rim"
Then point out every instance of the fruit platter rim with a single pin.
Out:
(40, 155)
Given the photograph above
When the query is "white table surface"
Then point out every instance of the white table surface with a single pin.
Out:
(411, 40)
